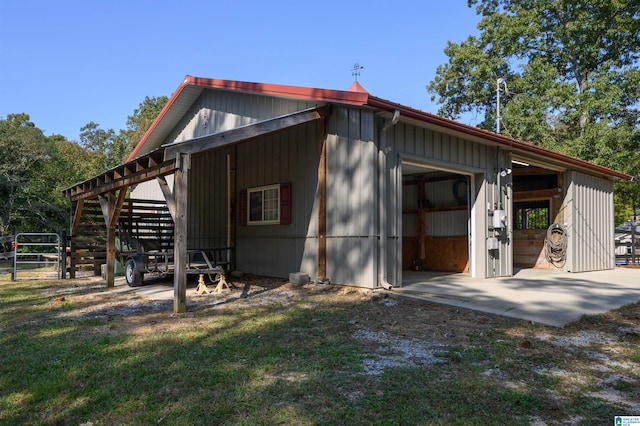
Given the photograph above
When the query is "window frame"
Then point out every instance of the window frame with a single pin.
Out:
(261, 190)
(521, 206)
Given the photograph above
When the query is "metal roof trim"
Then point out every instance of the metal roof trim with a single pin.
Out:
(308, 93)
(502, 140)
(298, 92)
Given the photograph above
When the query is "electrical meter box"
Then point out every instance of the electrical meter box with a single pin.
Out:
(492, 243)
(499, 217)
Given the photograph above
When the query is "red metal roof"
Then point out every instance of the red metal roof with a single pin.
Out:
(356, 95)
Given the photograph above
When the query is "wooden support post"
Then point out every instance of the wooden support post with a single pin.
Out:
(76, 209)
(180, 240)
(231, 237)
(421, 225)
(322, 201)
(111, 205)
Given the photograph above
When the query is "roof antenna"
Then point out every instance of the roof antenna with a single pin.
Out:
(355, 71)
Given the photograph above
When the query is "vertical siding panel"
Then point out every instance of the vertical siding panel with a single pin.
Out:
(229, 110)
(447, 148)
(343, 173)
(591, 232)
(429, 144)
(276, 250)
(462, 152)
(308, 138)
(437, 146)
(424, 147)
(411, 141)
(370, 156)
(353, 199)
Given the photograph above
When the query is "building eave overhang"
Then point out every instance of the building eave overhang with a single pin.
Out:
(164, 160)
(516, 146)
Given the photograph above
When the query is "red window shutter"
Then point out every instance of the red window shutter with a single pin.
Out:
(242, 208)
(285, 204)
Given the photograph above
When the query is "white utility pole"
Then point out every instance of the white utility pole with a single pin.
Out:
(498, 83)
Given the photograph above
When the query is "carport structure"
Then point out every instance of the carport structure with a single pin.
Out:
(112, 187)
(351, 188)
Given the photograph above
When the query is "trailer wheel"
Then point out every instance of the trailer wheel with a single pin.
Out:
(132, 275)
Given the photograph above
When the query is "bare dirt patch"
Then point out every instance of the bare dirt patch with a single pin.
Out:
(394, 315)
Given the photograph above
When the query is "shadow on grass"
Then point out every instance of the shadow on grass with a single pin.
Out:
(256, 360)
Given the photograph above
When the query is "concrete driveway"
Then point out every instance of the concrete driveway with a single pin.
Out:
(537, 295)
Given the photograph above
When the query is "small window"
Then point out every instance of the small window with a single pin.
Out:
(531, 215)
(264, 205)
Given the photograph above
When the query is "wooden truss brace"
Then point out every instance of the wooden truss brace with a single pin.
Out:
(77, 214)
(168, 196)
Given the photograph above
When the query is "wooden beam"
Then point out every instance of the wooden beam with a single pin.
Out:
(232, 203)
(77, 214)
(93, 189)
(243, 133)
(111, 206)
(180, 188)
(168, 196)
(131, 173)
(322, 201)
(115, 214)
(422, 241)
(538, 194)
(106, 205)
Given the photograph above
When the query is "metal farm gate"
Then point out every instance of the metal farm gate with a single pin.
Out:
(37, 256)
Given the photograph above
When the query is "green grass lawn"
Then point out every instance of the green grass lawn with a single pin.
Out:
(71, 354)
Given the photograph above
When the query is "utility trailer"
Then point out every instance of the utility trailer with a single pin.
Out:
(144, 256)
(203, 262)
(144, 246)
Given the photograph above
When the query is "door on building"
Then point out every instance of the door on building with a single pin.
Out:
(435, 220)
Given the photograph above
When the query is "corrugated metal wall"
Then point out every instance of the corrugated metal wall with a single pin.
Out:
(447, 223)
(590, 223)
(207, 200)
(352, 212)
(288, 156)
(440, 148)
(217, 111)
(353, 201)
(150, 190)
(441, 151)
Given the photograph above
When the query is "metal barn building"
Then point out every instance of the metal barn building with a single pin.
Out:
(351, 188)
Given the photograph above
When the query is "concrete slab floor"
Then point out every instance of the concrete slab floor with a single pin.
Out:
(542, 296)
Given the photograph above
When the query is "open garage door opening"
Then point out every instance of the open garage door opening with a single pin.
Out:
(435, 221)
(538, 195)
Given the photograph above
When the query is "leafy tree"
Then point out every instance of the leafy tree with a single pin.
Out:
(109, 149)
(21, 146)
(105, 147)
(33, 171)
(140, 121)
(571, 68)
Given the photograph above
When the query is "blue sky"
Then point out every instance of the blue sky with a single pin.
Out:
(69, 62)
